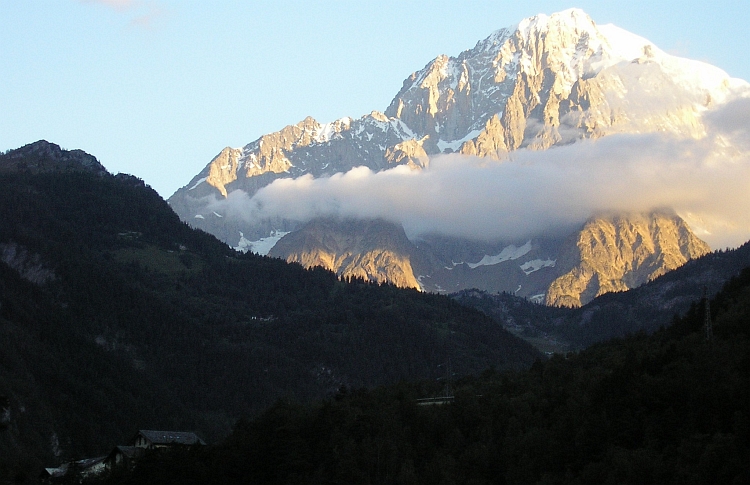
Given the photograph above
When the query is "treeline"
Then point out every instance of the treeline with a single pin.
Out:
(670, 408)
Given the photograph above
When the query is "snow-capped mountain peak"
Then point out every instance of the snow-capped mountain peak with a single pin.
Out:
(548, 81)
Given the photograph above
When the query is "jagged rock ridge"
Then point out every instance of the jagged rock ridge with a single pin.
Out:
(547, 81)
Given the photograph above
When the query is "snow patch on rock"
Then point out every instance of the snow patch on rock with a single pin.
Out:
(508, 253)
(537, 264)
(262, 246)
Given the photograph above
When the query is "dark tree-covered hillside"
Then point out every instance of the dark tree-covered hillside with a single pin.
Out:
(669, 408)
(115, 316)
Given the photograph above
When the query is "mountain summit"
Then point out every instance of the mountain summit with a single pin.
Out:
(553, 80)
(44, 157)
(549, 81)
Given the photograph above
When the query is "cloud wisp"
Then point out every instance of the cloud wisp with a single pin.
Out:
(705, 180)
(142, 13)
(116, 4)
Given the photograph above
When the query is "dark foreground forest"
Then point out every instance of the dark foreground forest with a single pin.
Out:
(670, 408)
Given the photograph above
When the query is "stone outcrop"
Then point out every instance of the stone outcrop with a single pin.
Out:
(410, 153)
(45, 157)
(222, 170)
(374, 250)
(617, 253)
(29, 266)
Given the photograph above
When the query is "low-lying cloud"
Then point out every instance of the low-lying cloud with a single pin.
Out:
(706, 180)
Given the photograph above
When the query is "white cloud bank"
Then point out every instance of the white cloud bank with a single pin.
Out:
(707, 181)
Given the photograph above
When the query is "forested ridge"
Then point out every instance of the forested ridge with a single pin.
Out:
(116, 316)
(669, 408)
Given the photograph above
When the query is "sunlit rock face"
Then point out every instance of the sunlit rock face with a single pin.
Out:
(553, 80)
(609, 253)
(546, 82)
(223, 169)
(374, 250)
(620, 252)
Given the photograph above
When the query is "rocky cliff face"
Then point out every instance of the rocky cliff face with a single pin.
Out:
(373, 250)
(609, 253)
(617, 253)
(548, 81)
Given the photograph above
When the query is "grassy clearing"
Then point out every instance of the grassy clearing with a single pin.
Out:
(159, 260)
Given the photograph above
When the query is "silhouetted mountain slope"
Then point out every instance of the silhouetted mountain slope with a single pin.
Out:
(45, 157)
(116, 316)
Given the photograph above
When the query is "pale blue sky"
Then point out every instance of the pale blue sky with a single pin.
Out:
(156, 88)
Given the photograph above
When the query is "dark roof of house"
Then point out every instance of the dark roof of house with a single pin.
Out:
(128, 451)
(171, 437)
